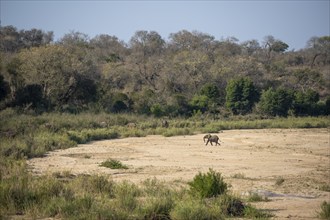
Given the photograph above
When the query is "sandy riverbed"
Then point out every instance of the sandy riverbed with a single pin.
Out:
(250, 160)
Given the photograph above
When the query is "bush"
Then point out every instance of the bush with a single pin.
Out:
(208, 185)
(231, 206)
(126, 195)
(157, 207)
(113, 164)
(325, 210)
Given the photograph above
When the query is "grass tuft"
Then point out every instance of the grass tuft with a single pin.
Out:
(279, 181)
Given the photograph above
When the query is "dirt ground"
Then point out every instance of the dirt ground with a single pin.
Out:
(290, 167)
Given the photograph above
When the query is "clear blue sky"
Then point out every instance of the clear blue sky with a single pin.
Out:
(293, 22)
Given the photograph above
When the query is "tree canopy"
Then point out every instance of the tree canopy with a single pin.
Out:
(181, 75)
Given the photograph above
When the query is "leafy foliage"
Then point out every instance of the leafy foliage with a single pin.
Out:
(208, 185)
(113, 164)
(276, 102)
(193, 73)
(241, 95)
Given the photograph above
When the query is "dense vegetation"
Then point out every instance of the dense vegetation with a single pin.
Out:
(200, 84)
(190, 73)
(63, 196)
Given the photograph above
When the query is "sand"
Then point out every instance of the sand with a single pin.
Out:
(289, 166)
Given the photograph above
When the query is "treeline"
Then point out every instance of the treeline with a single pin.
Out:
(190, 73)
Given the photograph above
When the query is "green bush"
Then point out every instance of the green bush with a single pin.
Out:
(113, 164)
(208, 185)
(325, 210)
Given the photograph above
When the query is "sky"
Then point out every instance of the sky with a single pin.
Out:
(291, 21)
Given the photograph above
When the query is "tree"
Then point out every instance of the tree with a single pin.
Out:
(180, 105)
(319, 47)
(276, 102)
(229, 47)
(251, 46)
(120, 102)
(30, 96)
(211, 91)
(108, 48)
(60, 71)
(305, 103)
(185, 40)
(4, 88)
(241, 95)
(74, 39)
(35, 38)
(15, 78)
(157, 110)
(307, 78)
(9, 39)
(273, 45)
(200, 102)
(147, 48)
(12, 40)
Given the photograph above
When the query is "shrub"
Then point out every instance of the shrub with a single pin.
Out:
(208, 185)
(190, 209)
(157, 207)
(113, 164)
(231, 206)
(279, 181)
(325, 210)
(126, 196)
